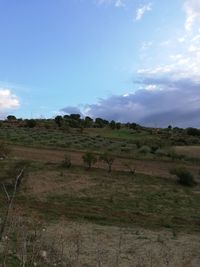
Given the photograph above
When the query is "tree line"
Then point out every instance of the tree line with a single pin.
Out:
(71, 120)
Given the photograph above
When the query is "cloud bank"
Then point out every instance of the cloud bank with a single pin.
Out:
(169, 93)
(178, 106)
(71, 110)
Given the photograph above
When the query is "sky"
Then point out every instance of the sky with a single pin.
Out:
(127, 60)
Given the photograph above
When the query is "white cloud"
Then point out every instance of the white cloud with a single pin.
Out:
(8, 100)
(119, 3)
(181, 39)
(152, 87)
(116, 3)
(184, 63)
(192, 9)
(165, 43)
(146, 45)
(141, 11)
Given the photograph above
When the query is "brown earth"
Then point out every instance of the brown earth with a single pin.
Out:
(149, 167)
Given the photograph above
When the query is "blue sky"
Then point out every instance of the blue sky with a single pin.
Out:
(128, 60)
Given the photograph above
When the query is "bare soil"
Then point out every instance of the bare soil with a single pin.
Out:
(149, 167)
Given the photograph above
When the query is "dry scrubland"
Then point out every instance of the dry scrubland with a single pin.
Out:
(76, 217)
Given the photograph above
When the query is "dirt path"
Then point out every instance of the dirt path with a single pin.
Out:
(151, 167)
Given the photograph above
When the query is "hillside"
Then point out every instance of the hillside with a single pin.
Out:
(138, 214)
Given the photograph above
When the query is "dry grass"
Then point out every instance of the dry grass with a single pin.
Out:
(149, 167)
(110, 199)
(192, 151)
(61, 182)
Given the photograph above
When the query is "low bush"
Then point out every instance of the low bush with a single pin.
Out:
(184, 176)
(145, 149)
(161, 152)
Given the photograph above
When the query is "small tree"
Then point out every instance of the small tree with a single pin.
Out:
(184, 176)
(89, 159)
(11, 118)
(112, 124)
(133, 125)
(108, 159)
(145, 150)
(59, 120)
(130, 167)
(88, 122)
(193, 131)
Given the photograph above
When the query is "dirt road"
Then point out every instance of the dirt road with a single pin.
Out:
(151, 167)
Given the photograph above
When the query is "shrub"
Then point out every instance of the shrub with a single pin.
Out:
(168, 152)
(138, 143)
(31, 123)
(184, 176)
(154, 148)
(67, 162)
(145, 150)
(4, 150)
(193, 131)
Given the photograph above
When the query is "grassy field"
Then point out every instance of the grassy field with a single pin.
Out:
(112, 199)
(68, 140)
(96, 218)
(124, 142)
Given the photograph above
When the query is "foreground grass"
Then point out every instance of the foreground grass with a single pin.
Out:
(121, 207)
